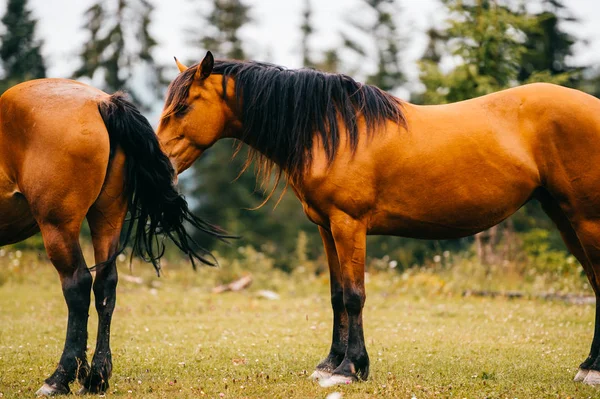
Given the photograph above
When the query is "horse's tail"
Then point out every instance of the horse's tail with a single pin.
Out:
(154, 204)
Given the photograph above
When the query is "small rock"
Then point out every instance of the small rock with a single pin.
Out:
(271, 295)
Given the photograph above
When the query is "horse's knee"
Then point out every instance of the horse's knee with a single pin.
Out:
(77, 288)
(354, 299)
(105, 287)
(337, 299)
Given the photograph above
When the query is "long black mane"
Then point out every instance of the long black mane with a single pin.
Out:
(283, 110)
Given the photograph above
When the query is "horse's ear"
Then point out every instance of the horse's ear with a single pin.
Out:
(206, 66)
(180, 66)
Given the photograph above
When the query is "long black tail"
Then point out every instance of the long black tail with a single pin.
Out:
(155, 207)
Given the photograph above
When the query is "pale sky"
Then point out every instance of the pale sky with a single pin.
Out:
(274, 35)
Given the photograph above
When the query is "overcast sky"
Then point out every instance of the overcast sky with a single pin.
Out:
(274, 35)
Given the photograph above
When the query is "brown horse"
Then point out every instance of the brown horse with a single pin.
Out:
(363, 162)
(69, 152)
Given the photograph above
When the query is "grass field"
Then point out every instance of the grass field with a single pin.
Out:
(173, 338)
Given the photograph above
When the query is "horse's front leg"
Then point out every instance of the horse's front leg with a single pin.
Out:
(62, 246)
(350, 240)
(339, 339)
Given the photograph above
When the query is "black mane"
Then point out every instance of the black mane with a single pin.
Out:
(282, 110)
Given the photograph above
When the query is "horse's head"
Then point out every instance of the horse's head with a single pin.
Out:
(195, 114)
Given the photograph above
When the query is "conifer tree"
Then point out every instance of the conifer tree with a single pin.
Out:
(498, 45)
(20, 52)
(220, 29)
(384, 37)
(548, 45)
(307, 31)
(120, 46)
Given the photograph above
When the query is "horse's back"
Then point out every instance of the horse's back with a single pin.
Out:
(54, 152)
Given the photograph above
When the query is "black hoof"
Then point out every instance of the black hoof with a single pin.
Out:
(358, 370)
(94, 384)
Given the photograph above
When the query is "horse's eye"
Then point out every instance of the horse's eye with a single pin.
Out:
(182, 110)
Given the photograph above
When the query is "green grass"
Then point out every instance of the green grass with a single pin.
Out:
(172, 338)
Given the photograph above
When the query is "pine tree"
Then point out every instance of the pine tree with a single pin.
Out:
(307, 31)
(119, 47)
(20, 52)
(383, 34)
(485, 36)
(548, 46)
(220, 29)
(328, 60)
(499, 45)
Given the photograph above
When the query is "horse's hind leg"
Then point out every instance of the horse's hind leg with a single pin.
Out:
(574, 245)
(588, 232)
(62, 245)
(105, 219)
(339, 339)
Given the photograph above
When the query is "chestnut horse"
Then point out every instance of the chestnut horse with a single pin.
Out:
(363, 162)
(67, 152)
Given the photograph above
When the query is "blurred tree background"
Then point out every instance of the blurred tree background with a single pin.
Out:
(483, 46)
(119, 46)
(20, 51)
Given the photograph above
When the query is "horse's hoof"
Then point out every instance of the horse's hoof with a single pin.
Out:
(93, 390)
(51, 390)
(320, 375)
(592, 378)
(336, 380)
(581, 374)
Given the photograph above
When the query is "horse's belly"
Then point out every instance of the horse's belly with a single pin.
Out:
(449, 213)
(401, 225)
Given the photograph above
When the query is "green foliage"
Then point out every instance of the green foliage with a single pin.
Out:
(494, 45)
(220, 29)
(120, 47)
(307, 29)
(20, 52)
(548, 46)
(382, 35)
(540, 255)
(485, 39)
(328, 60)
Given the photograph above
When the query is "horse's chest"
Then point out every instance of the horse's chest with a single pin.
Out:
(314, 215)
(322, 201)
